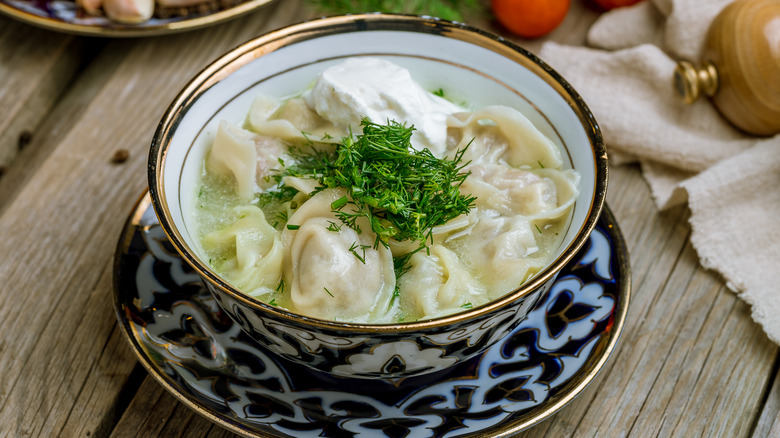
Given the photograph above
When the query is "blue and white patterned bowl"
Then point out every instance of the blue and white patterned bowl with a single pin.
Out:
(484, 69)
(207, 362)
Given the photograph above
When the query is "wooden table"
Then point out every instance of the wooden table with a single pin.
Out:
(690, 361)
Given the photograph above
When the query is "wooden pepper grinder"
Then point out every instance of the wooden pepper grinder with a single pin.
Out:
(740, 66)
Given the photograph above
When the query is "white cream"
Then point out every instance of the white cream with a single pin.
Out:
(381, 91)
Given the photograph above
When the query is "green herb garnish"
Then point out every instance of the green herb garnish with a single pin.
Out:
(402, 192)
(326, 290)
(332, 226)
(355, 247)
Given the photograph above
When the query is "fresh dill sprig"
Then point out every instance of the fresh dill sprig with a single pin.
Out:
(447, 9)
(404, 193)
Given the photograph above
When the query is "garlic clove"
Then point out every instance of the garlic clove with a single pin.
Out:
(129, 11)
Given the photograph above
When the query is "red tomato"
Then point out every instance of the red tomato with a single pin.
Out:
(612, 4)
(530, 18)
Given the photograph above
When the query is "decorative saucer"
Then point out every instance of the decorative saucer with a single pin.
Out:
(196, 352)
(65, 16)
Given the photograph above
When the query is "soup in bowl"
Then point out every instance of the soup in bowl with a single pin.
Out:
(378, 195)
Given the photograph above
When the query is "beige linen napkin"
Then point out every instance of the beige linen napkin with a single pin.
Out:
(688, 153)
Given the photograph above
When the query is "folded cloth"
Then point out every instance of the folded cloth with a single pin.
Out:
(688, 153)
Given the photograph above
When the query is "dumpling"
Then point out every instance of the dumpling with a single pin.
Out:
(437, 284)
(248, 158)
(503, 252)
(233, 155)
(291, 120)
(535, 194)
(331, 271)
(248, 251)
(500, 133)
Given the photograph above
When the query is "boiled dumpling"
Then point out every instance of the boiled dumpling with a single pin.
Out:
(502, 251)
(500, 133)
(233, 155)
(248, 158)
(249, 251)
(331, 271)
(437, 284)
(291, 121)
(535, 194)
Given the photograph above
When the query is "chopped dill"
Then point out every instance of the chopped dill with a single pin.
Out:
(292, 227)
(540, 164)
(401, 263)
(467, 306)
(326, 290)
(333, 227)
(403, 193)
(537, 229)
(439, 92)
(338, 203)
(272, 302)
(353, 249)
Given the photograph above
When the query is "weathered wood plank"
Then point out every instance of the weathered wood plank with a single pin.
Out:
(732, 383)
(35, 68)
(768, 423)
(155, 412)
(65, 221)
(690, 361)
(55, 124)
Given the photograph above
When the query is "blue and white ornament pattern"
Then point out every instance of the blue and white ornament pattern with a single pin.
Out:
(189, 344)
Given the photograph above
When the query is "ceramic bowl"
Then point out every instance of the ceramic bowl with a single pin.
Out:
(483, 69)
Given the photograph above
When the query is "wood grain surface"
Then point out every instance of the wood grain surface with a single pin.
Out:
(690, 361)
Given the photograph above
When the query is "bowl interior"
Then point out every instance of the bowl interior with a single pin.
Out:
(472, 68)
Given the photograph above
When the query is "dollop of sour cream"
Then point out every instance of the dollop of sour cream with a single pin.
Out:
(382, 91)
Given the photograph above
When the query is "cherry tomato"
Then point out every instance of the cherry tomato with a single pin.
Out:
(530, 18)
(612, 4)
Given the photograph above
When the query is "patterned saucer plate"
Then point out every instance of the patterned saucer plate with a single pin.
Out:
(196, 352)
(65, 16)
